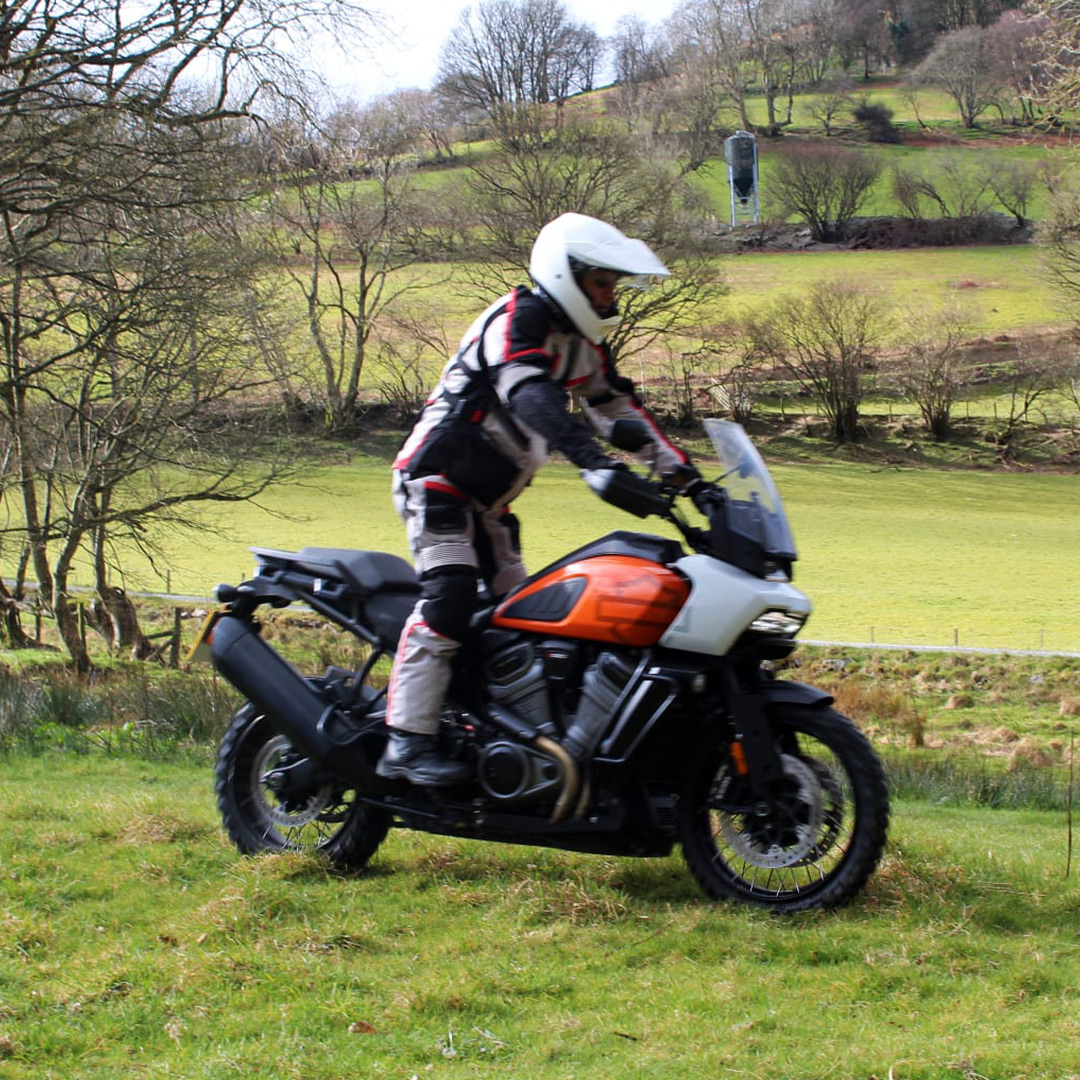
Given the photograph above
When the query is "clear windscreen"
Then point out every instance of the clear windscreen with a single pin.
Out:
(755, 509)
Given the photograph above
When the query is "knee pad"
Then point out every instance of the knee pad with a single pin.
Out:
(449, 600)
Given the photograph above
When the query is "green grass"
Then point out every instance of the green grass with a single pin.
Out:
(134, 942)
(1005, 286)
(935, 107)
(916, 556)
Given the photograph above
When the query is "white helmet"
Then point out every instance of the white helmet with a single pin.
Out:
(573, 243)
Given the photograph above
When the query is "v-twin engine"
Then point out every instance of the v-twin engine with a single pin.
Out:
(539, 683)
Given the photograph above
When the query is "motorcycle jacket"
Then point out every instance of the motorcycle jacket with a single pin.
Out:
(503, 403)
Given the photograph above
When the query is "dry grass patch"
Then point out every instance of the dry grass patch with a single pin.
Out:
(880, 707)
(163, 827)
(1028, 753)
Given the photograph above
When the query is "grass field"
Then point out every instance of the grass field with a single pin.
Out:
(915, 556)
(135, 942)
(880, 201)
(1004, 286)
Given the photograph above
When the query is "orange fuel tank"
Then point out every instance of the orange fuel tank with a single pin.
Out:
(618, 599)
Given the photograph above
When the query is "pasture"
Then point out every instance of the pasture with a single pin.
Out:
(1004, 288)
(135, 942)
(913, 556)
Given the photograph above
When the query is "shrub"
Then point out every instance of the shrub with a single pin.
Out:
(878, 123)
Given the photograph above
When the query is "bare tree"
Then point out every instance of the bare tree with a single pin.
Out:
(961, 65)
(862, 35)
(598, 170)
(342, 231)
(437, 119)
(824, 184)
(120, 387)
(504, 56)
(737, 383)
(709, 37)
(1016, 51)
(948, 186)
(641, 60)
(816, 27)
(1015, 183)
(766, 26)
(1025, 381)
(115, 179)
(827, 338)
(931, 373)
(1058, 47)
(832, 100)
(409, 362)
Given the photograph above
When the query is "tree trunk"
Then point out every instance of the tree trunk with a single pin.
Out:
(67, 625)
(11, 630)
(118, 619)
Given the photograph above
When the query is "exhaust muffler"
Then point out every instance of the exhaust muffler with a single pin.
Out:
(297, 709)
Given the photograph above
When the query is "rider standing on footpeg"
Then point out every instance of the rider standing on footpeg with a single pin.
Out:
(501, 404)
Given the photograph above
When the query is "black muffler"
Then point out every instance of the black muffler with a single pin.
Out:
(297, 708)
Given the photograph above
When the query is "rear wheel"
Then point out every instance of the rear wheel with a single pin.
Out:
(815, 842)
(271, 799)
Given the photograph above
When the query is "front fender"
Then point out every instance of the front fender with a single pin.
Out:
(789, 692)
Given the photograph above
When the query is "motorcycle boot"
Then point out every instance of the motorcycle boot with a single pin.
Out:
(416, 758)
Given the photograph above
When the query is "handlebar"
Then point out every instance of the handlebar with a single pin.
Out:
(650, 498)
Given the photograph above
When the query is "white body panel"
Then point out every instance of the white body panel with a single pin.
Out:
(723, 602)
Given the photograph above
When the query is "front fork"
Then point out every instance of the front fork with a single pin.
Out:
(753, 749)
(754, 753)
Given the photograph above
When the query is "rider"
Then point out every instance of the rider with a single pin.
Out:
(500, 405)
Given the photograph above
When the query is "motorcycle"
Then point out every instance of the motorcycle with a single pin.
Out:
(620, 701)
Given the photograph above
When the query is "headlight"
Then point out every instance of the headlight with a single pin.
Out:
(785, 623)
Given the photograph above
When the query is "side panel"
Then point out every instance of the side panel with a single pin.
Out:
(723, 602)
(618, 599)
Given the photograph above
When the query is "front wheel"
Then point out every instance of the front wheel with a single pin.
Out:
(815, 842)
(272, 799)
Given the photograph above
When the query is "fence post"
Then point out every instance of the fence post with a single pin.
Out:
(174, 647)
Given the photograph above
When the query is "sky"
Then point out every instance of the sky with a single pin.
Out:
(416, 29)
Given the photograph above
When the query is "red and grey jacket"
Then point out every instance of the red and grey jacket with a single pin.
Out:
(518, 370)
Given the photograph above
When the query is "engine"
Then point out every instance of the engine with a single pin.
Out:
(567, 691)
(515, 773)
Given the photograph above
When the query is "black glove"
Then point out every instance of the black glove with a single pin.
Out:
(703, 494)
(684, 477)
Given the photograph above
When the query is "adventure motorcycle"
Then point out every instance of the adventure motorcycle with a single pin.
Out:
(617, 702)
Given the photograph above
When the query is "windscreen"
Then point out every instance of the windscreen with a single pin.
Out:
(755, 510)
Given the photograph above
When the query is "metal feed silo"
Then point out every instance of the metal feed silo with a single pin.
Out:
(740, 153)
